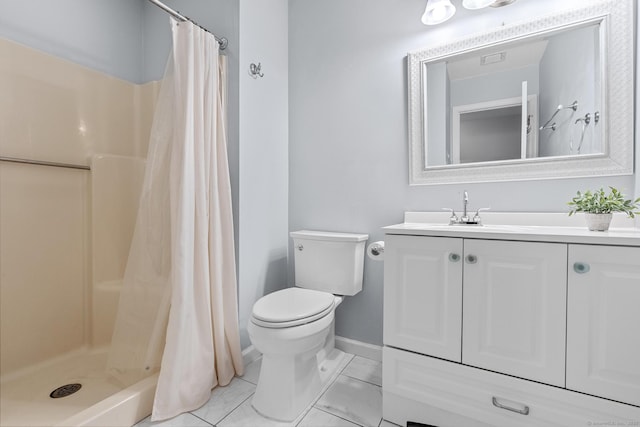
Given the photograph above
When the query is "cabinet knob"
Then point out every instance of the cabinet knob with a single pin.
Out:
(472, 259)
(581, 267)
(454, 257)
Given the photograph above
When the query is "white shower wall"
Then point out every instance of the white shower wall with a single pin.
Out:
(115, 193)
(55, 227)
(43, 292)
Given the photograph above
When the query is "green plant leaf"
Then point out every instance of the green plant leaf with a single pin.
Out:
(600, 202)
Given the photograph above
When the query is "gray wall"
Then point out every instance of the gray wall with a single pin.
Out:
(105, 35)
(497, 85)
(263, 224)
(565, 72)
(348, 154)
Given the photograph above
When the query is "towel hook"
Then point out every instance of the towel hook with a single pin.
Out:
(255, 71)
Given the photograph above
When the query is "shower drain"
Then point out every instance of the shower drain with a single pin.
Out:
(65, 390)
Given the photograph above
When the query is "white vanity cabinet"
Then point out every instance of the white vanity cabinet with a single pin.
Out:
(423, 304)
(515, 308)
(603, 322)
(490, 327)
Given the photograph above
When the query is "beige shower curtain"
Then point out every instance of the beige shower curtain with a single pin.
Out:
(181, 276)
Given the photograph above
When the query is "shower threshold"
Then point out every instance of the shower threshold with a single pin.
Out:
(25, 397)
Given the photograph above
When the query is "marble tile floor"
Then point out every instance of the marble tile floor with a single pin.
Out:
(352, 399)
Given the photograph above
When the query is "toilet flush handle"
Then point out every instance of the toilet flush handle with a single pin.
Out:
(299, 247)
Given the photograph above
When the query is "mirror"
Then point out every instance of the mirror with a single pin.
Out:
(549, 98)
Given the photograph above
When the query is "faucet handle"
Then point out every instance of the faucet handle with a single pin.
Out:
(453, 219)
(476, 217)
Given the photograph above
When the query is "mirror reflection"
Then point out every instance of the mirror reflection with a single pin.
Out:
(537, 97)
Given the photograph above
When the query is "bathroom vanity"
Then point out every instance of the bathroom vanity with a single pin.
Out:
(508, 324)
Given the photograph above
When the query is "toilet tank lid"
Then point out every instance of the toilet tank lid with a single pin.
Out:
(328, 235)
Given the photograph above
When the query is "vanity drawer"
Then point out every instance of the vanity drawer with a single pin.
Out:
(431, 388)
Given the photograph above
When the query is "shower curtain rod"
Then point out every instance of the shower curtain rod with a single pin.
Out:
(222, 41)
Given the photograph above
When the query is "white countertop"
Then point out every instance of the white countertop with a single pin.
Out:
(538, 227)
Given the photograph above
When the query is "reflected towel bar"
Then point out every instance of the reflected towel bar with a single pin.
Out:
(44, 163)
(552, 126)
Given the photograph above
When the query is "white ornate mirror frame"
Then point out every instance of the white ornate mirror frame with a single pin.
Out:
(616, 29)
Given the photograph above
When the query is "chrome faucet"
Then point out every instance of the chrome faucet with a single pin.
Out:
(464, 219)
(465, 201)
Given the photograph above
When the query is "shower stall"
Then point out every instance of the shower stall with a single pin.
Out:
(73, 149)
(73, 146)
(73, 173)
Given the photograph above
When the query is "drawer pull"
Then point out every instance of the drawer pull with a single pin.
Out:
(472, 259)
(524, 410)
(454, 257)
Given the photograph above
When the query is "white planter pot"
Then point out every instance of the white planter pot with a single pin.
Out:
(598, 222)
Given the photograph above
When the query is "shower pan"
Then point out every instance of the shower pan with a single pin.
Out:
(57, 300)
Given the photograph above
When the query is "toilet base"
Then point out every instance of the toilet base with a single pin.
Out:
(287, 403)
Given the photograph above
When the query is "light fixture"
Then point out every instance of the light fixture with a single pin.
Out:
(437, 12)
(477, 4)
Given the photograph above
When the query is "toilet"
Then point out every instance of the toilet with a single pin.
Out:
(294, 328)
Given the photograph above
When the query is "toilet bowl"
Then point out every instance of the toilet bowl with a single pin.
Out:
(294, 328)
(289, 375)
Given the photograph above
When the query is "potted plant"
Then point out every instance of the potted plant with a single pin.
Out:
(598, 207)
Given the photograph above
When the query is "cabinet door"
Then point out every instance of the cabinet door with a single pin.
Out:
(603, 324)
(423, 295)
(515, 308)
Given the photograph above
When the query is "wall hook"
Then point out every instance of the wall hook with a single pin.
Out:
(255, 70)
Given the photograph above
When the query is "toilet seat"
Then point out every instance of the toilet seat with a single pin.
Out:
(292, 307)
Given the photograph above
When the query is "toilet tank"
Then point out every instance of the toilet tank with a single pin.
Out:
(328, 261)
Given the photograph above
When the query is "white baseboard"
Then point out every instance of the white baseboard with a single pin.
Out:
(359, 348)
(250, 354)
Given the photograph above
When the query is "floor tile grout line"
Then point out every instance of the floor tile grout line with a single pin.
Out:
(211, 424)
(335, 377)
(353, 356)
(355, 379)
(328, 411)
(229, 413)
(304, 414)
(246, 381)
(360, 379)
(236, 407)
(342, 418)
